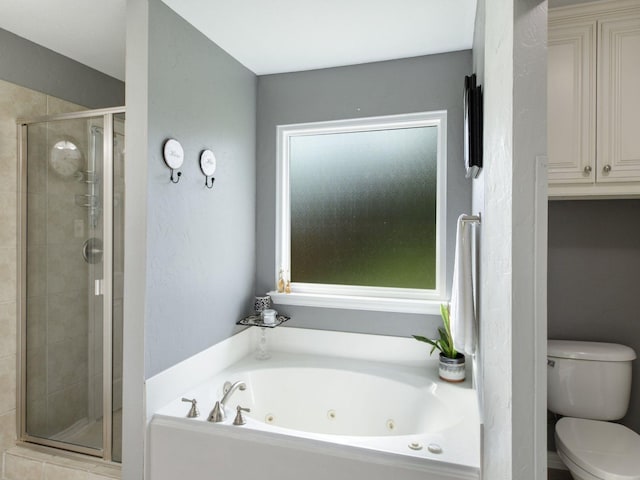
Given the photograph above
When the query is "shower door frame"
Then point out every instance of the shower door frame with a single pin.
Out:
(103, 287)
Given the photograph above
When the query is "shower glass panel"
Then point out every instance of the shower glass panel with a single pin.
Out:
(118, 282)
(72, 229)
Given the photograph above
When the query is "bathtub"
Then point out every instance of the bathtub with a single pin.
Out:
(316, 417)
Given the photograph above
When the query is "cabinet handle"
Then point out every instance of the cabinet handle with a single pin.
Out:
(587, 169)
(606, 168)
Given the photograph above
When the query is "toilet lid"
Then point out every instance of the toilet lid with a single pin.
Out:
(606, 450)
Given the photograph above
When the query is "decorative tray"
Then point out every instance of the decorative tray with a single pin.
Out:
(256, 321)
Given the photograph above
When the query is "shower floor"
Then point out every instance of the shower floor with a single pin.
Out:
(89, 434)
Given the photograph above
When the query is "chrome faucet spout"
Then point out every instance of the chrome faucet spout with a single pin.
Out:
(218, 414)
(230, 389)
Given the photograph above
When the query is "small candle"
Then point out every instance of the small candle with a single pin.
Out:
(269, 316)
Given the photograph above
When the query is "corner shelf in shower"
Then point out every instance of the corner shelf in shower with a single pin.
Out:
(256, 321)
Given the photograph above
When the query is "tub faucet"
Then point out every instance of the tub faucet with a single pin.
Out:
(229, 389)
(217, 414)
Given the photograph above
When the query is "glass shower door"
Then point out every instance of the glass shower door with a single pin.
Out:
(67, 291)
(118, 284)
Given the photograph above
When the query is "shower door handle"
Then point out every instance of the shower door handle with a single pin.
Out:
(92, 250)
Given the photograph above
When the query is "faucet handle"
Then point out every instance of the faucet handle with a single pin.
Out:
(239, 420)
(193, 411)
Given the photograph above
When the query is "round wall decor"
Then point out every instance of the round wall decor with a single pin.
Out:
(207, 163)
(173, 153)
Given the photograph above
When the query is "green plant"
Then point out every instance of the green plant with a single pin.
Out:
(445, 342)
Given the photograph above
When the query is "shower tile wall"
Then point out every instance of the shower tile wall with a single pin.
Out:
(48, 280)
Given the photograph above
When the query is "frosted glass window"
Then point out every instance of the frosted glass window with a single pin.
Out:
(363, 208)
(361, 214)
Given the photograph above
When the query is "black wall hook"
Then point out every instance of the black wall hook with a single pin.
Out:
(173, 155)
(177, 179)
(208, 166)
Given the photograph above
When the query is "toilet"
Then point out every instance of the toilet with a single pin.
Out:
(589, 383)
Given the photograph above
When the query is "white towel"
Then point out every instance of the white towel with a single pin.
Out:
(462, 312)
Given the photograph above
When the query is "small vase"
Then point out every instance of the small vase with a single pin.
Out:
(452, 369)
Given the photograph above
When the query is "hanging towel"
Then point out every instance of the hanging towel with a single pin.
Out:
(462, 311)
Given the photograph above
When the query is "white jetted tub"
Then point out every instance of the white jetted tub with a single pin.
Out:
(322, 417)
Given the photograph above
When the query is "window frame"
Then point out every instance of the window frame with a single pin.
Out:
(388, 299)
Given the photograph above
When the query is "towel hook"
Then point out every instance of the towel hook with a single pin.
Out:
(177, 179)
(208, 166)
(173, 155)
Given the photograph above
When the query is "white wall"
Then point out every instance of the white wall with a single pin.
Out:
(528, 315)
(135, 238)
(496, 242)
(513, 51)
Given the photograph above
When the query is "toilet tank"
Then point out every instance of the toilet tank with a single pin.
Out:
(588, 379)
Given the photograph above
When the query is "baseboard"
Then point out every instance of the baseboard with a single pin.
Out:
(553, 461)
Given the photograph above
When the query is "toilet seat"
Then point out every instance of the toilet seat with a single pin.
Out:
(605, 450)
(576, 471)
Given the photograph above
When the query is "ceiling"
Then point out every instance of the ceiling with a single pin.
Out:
(91, 32)
(266, 36)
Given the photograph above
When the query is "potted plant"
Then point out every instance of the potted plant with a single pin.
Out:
(451, 367)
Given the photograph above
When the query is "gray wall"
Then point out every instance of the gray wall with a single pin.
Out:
(200, 242)
(383, 88)
(27, 64)
(594, 277)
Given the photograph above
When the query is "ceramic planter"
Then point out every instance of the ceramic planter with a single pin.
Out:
(452, 369)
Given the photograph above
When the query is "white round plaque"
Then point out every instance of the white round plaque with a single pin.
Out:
(173, 153)
(207, 163)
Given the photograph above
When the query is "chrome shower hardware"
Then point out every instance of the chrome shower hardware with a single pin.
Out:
(86, 177)
(229, 389)
(218, 414)
(86, 200)
(92, 250)
(239, 420)
(193, 411)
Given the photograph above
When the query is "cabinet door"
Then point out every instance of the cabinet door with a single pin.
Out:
(571, 102)
(619, 99)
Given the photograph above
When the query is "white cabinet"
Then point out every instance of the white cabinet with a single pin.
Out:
(594, 100)
(571, 103)
(619, 99)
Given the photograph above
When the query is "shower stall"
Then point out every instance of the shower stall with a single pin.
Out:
(71, 244)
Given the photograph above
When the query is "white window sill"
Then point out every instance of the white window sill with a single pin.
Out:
(354, 302)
